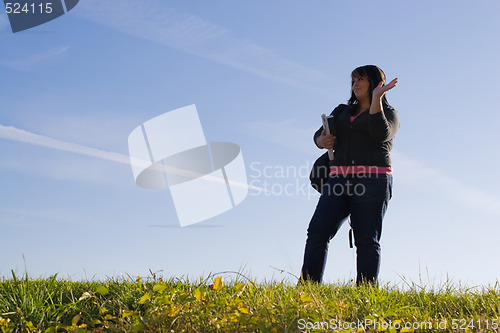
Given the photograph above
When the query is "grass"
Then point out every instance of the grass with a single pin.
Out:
(240, 305)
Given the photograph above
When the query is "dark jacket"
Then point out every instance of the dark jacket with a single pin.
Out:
(365, 141)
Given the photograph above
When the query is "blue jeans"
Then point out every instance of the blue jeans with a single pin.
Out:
(365, 198)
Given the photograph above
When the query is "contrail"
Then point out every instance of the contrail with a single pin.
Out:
(15, 134)
(19, 135)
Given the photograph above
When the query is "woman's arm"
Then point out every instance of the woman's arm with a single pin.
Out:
(383, 125)
(378, 93)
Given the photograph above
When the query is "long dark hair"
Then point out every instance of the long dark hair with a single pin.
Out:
(374, 75)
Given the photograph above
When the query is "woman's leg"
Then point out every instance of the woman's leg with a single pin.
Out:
(368, 205)
(329, 215)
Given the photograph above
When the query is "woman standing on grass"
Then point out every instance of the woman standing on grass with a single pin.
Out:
(360, 182)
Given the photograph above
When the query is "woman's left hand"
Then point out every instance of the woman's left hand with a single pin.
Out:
(381, 89)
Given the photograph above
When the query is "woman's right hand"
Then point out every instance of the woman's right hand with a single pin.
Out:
(325, 140)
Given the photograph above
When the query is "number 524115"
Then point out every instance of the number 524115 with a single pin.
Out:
(16, 8)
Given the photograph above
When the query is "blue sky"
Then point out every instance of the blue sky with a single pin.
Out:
(260, 73)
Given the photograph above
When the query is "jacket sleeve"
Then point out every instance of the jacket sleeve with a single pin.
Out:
(316, 135)
(384, 125)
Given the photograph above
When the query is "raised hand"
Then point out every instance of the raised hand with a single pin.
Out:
(381, 89)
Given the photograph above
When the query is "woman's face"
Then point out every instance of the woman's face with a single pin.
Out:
(360, 87)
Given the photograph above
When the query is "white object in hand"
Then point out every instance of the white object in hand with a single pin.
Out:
(327, 131)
